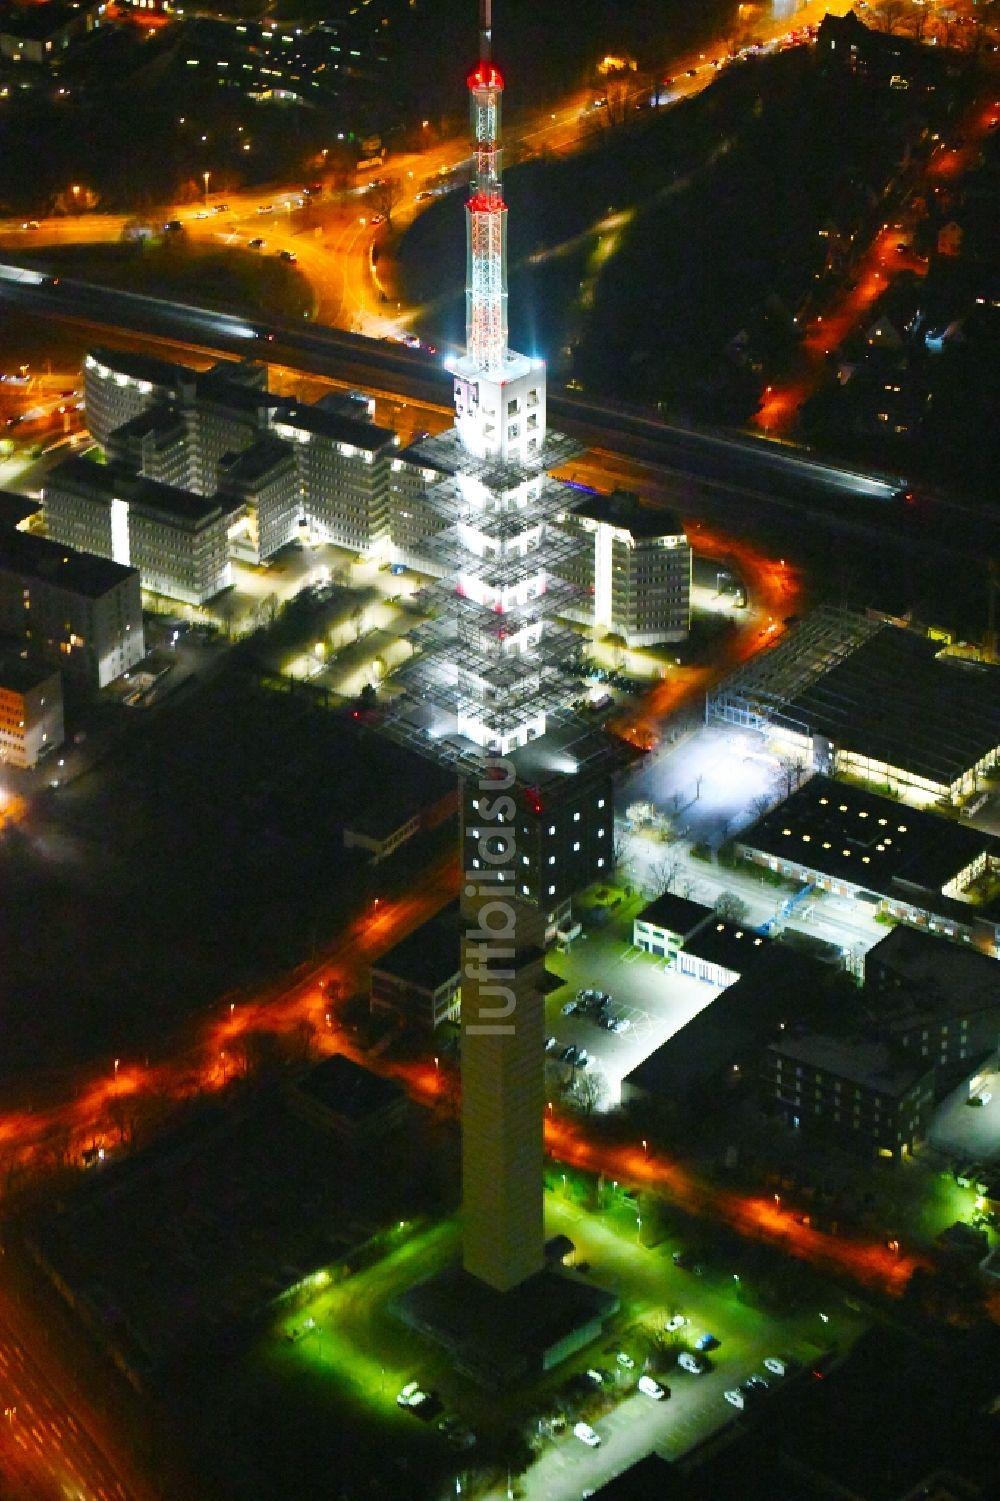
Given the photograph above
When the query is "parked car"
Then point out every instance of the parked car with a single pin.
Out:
(757, 1383)
(625, 1361)
(568, 1054)
(651, 1388)
(706, 1342)
(411, 1395)
(676, 1322)
(550, 1043)
(256, 244)
(587, 1435)
(582, 1058)
(569, 1009)
(696, 1364)
(735, 1397)
(287, 255)
(775, 1365)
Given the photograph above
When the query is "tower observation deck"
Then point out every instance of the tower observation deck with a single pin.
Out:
(491, 660)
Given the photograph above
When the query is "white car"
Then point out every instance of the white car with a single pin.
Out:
(696, 1364)
(776, 1366)
(735, 1398)
(411, 1395)
(650, 1388)
(625, 1361)
(587, 1435)
(677, 1322)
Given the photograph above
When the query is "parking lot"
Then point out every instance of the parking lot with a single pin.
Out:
(655, 1001)
(963, 1130)
(567, 1468)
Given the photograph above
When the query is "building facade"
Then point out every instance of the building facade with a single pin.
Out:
(632, 569)
(862, 1093)
(344, 464)
(70, 609)
(177, 539)
(264, 481)
(119, 385)
(31, 713)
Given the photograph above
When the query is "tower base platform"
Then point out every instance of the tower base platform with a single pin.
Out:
(502, 1339)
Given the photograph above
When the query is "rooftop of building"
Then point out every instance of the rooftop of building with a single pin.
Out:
(933, 971)
(60, 566)
(430, 957)
(735, 1024)
(624, 509)
(867, 840)
(678, 914)
(877, 688)
(570, 750)
(346, 1089)
(863, 1061)
(898, 698)
(16, 508)
(218, 389)
(37, 22)
(119, 482)
(732, 945)
(160, 419)
(339, 429)
(139, 366)
(18, 676)
(256, 462)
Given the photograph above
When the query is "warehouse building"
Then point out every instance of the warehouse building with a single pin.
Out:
(876, 701)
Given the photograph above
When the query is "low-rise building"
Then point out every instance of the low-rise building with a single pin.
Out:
(71, 609)
(663, 928)
(908, 864)
(420, 978)
(719, 953)
(31, 712)
(177, 539)
(40, 34)
(864, 1093)
(632, 571)
(356, 1105)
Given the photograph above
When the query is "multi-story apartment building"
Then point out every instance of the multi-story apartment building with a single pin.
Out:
(344, 467)
(264, 480)
(70, 609)
(633, 572)
(869, 1096)
(31, 712)
(178, 540)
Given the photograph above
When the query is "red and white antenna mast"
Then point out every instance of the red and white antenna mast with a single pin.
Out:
(486, 223)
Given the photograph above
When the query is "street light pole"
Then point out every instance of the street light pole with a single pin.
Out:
(205, 177)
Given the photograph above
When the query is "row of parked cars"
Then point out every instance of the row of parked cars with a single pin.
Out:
(757, 1386)
(427, 1406)
(597, 1005)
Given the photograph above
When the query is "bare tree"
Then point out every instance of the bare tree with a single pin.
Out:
(386, 196)
(891, 15)
(590, 1090)
(664, 873)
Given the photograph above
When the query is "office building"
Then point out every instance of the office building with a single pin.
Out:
(344, 466)
(119, 385)
(155, 443)
(419, 979)
(632, 569)
(562, 820)
(865, 1094)
(264, 481)
(938, 999)
(177, 539)
(71, 609)
(31, 712)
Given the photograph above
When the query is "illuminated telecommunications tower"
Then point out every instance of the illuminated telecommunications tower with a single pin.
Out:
(493, 664)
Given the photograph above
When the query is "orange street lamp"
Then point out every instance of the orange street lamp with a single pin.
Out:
(205, 177)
